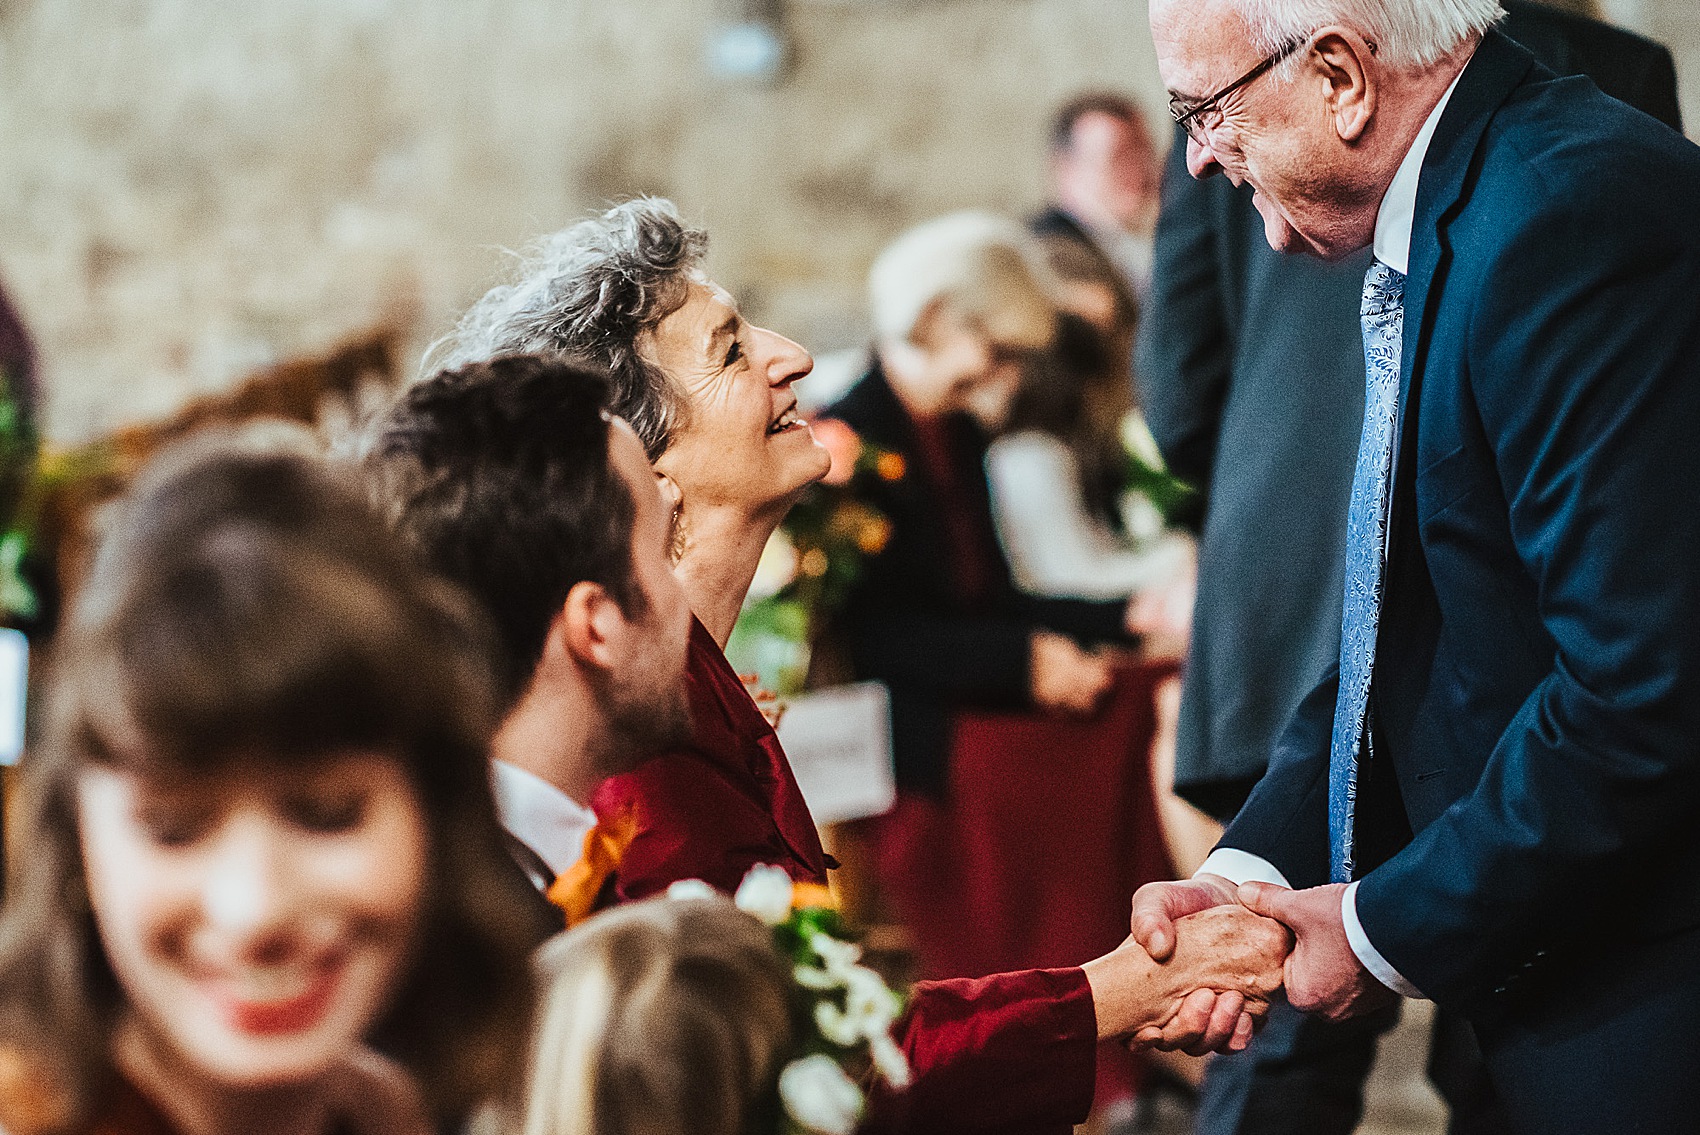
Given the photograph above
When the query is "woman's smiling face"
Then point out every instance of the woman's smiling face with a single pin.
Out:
(257, 918)
(742, 442)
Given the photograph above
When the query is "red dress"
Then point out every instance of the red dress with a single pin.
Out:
(1013, 1053)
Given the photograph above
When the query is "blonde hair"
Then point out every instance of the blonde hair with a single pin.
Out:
(985, 267)
(660, 1017)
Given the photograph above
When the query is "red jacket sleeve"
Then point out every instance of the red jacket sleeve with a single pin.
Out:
(1000, 1055)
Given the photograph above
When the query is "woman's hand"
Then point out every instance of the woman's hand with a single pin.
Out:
(1066, 679)
(370, 1094)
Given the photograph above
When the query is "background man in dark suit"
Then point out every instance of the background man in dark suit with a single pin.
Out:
(1258, 355)
(1537, 689)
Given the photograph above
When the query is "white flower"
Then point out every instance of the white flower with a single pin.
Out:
(1137, 440)
(776, 568)
(819, 1096)
(765, 893)
(813, 977)
(838, 957)
(836, 1025)
(890, 1061)
(691, 889)
(868, 1002)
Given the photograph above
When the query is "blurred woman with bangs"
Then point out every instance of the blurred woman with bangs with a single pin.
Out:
(259, 885)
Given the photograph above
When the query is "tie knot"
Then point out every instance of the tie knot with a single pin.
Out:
(1384, 289)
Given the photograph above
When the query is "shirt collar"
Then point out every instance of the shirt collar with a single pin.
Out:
(541, 816)
(1398, 211)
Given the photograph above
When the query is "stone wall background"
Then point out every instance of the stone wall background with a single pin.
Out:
(191, 188)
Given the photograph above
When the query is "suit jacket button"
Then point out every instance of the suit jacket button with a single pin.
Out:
(1501, 990)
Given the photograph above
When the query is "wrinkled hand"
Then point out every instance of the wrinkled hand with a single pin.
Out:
(1065, 678)
(1203, 1022)
(1227, 964)
(1323, 974)
(370, 1094)
(1158, 906)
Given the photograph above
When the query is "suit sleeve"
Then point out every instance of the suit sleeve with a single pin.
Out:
(1184, 351)
(1014, 1052)
(1585, 358)
(1285, 820)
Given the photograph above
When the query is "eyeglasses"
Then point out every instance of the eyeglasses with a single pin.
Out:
(1189, 114)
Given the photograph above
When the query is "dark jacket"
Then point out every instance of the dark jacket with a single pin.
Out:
(906, 622)
(1536, 700)
(1248, 352)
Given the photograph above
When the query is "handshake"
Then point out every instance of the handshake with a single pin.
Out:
(1199, 970)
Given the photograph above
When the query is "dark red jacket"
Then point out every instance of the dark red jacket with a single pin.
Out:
(1013, 1054)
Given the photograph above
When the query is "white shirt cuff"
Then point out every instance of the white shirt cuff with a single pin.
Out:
(1242, 867)
(1368, 954)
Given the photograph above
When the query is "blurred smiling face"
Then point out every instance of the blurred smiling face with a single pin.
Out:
(257, 918)
(743, 442)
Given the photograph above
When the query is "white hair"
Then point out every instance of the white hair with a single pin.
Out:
(593, 291)
(979, 263)
(1407, 33)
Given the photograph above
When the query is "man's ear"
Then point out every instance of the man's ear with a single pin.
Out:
(1342, 61)
(589, 629)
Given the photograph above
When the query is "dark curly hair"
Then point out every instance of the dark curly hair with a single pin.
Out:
(245, 605)
(595, 291)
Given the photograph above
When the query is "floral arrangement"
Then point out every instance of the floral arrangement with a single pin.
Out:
(813, 559)
(848, 1005)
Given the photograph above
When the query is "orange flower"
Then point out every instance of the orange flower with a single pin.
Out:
(891, 466)
(814, 563)
(805, 896)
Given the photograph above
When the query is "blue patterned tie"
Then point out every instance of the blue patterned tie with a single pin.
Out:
(1383, 316)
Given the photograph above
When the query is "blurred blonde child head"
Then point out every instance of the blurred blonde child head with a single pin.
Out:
(661, 1017)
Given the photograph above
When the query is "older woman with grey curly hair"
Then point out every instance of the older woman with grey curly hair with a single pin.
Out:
(710, 396)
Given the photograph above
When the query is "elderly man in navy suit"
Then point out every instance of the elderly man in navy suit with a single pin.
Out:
(1484, 802)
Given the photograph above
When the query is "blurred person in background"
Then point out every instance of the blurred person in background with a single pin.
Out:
(1066, 519)
(961, 308)
(259, 884)
(1251, 369)
(710, 397)
(1104, 176)
(663, 1017)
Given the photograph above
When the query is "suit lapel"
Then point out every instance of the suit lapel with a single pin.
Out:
(1498, 68)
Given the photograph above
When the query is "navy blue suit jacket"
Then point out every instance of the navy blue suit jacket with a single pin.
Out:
(1536, 702)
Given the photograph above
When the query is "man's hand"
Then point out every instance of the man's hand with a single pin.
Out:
(1323, 974)
(1227, 963)
(1065, 678)
(1216, 985)
(1158, 906)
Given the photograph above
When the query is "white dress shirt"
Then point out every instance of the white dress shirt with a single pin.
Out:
(1393, 223)
(541, 816)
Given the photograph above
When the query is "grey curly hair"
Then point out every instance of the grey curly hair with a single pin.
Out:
(593, 290)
